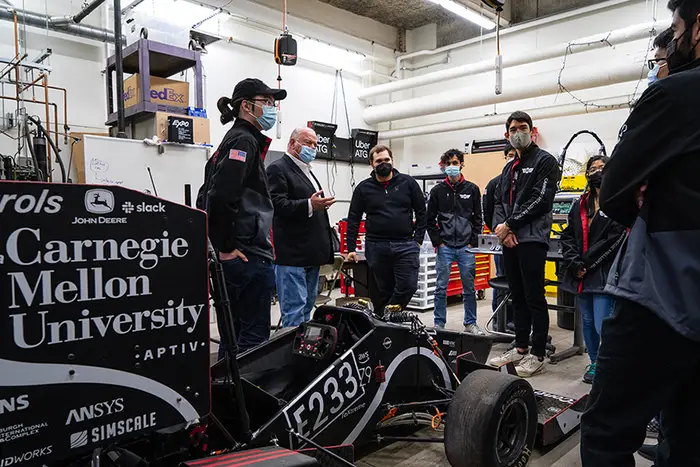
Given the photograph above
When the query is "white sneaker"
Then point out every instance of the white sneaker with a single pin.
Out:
(530, 366)
(474, 329)
(511, 355)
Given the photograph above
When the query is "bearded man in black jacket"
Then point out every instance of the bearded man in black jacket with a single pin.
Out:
(393, 240)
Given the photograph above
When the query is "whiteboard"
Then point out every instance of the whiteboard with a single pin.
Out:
(126, 162)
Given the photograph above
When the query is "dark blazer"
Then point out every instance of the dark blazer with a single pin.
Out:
(299, 240)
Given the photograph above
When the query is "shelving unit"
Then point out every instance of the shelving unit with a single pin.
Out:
(150, 58)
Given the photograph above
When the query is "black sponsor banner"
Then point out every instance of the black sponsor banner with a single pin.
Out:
(326, 136)
(104, 319)
(180, 130)
(362, 142)
(331, 147)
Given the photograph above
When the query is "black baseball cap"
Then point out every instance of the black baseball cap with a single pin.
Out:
(251, 87)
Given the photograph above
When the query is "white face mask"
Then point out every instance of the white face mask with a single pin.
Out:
(521, 140)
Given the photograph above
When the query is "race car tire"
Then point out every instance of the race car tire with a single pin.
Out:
(491, 421)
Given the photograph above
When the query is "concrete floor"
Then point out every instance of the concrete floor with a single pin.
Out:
(563, 378)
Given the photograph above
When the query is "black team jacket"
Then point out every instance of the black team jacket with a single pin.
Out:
(589, 244)
(235, 193)
(390, 208)
(454, 214)
(659, 266)
(525, 195)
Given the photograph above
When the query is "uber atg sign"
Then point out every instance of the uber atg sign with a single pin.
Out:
(104, 318)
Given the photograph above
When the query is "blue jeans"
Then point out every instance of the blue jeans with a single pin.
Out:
(250, 286)
(394, 266)
(594, 309)
(297, 288)
(467, 269)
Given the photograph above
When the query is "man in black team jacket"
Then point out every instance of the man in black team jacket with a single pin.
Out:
(301, 230)
(236, 197)
(454, 223)
(523, 218)
(488, 202)
(649, 359)
(393, 240)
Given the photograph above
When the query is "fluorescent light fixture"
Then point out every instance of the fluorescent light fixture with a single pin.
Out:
(327, 54)
(466, 13)
(182, 13)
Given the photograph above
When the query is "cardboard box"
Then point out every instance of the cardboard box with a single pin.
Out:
(201, 127)
(158, 126)
(163, 91)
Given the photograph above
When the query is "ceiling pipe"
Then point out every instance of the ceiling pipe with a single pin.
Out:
(598, 41)
(578, 78)
(519, 27)
(538, 113)
(41, 21)
(77, 18)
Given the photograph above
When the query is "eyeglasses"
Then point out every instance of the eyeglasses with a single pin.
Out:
(595, 170)
(264, 101)
(654, 61)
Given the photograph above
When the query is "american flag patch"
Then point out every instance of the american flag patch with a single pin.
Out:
(237, 155)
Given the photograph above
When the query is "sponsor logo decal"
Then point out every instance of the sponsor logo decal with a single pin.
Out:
(29, 204)
(387, 343)
(14, 404)
(14, 432)
(93, 411)
(27, 456)
(112, 430)
(99, 201)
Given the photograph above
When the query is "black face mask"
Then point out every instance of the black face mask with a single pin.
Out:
(383, 169)
(595, 179)
(678, 55)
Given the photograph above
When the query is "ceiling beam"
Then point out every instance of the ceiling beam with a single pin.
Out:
(339, 20)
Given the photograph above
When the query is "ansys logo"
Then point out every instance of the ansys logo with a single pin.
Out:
(99, 201)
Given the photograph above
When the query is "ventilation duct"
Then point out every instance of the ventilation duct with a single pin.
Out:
(613, 103)
(598, 41)
(41, 21)
(578, 78)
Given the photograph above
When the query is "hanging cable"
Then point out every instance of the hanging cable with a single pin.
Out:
(347, 121)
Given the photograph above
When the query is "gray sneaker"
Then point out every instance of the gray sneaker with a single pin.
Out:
(511, 355)
(474, 329)
(530, 366)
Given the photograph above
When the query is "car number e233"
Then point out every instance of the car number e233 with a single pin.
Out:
(334, 392)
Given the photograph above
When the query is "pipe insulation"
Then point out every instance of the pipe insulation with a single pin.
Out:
(540, 113)
(582, 77)
(598, 41)
(41, 21)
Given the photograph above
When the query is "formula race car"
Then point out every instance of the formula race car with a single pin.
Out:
(104, 356)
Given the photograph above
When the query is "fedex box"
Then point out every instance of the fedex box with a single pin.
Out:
(163, 91)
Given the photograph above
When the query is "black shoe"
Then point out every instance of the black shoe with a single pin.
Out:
(648, 451)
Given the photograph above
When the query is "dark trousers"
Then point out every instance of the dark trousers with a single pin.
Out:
(524, 266)
(394, 266)
(643, 367)
(250, 287)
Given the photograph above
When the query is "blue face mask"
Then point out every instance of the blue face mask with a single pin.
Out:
(269, 117)
(453, 171)
(653, 75)
(307, 154)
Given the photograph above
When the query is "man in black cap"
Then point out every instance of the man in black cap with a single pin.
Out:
(236, 197)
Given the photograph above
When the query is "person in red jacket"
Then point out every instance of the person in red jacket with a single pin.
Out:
(590, 242)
